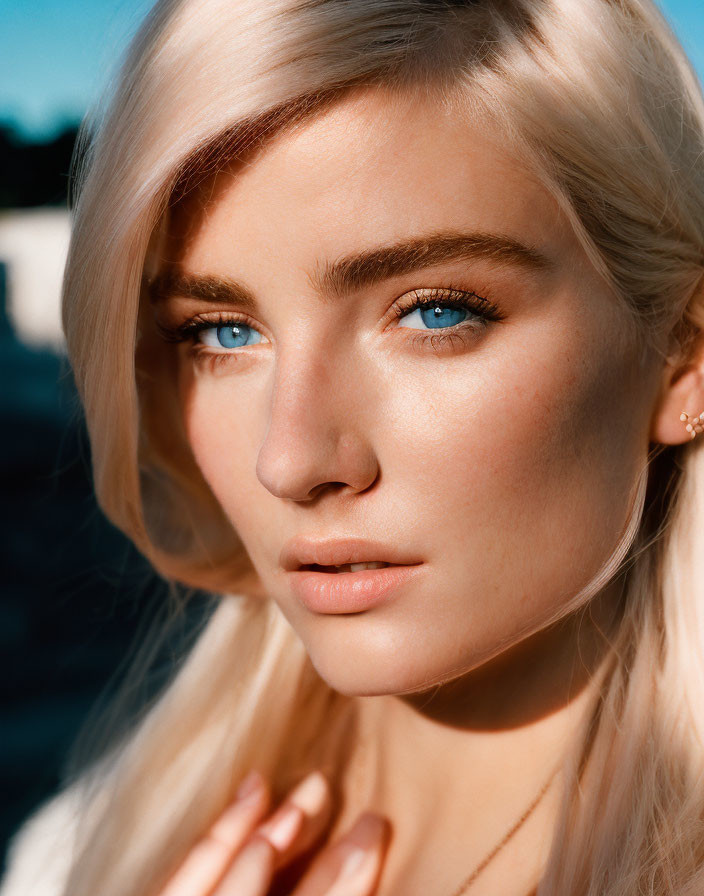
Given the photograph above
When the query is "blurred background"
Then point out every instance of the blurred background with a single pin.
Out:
(75, 597)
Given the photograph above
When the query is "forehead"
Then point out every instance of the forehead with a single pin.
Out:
(376, 168)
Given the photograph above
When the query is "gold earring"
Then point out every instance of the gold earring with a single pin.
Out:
(694, 424)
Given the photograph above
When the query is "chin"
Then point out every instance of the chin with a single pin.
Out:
(363, 676)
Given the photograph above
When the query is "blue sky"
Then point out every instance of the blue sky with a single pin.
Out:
(55, 54)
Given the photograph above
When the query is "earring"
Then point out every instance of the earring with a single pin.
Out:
(694, 424)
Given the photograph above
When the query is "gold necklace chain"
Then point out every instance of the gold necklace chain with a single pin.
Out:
(485, 861)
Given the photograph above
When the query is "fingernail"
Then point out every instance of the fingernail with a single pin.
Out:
(360, 842)
(310, 794)
(366, 831)
(249, 786)
(284, 829)
(353, 860)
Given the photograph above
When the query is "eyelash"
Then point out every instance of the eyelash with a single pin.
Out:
(484, 310)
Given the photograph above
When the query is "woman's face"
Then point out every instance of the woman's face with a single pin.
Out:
(496, 452)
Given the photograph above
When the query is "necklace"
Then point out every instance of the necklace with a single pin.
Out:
(485, 861)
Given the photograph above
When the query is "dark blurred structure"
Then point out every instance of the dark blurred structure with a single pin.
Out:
(34, 173)
(76, 597)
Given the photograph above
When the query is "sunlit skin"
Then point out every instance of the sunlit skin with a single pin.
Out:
(502, 460)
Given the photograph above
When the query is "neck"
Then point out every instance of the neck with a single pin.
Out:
(455, 767)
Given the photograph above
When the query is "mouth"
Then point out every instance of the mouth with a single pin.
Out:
(351, 587)
(346, 567)
(346, 555)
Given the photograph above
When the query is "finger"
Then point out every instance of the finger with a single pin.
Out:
(300, 819)
(252, 870)
(208, 859)
(352, 865)
(290, 830)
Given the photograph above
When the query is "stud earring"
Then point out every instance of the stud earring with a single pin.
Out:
(694, 424)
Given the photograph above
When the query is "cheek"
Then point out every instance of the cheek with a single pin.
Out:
(225, 426)
(519, 465)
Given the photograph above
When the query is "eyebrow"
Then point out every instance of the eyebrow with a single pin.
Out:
(339, 279)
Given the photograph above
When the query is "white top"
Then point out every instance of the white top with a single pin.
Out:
(39, 853)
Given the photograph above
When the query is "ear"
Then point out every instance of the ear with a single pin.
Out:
(682, 392)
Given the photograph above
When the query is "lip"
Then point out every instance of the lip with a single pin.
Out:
(349, 592)
(301, 551)
(345, 592)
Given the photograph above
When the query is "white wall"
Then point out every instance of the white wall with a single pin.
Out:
(33, 245)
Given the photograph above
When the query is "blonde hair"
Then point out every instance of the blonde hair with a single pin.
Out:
(599, 98)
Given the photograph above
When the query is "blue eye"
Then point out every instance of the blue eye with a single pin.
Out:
(233, 335)
(435, 316)
(458, 313)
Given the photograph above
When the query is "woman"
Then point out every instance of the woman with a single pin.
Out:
(418, 285)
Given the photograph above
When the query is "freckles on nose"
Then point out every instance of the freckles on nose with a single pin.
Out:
(314, 437)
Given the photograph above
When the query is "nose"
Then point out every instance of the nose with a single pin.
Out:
(315, 437)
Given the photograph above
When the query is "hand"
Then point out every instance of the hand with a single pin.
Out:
(243, 850)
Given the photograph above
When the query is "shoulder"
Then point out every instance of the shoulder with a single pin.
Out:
(40, 852)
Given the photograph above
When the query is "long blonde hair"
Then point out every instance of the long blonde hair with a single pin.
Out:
(599, 98)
